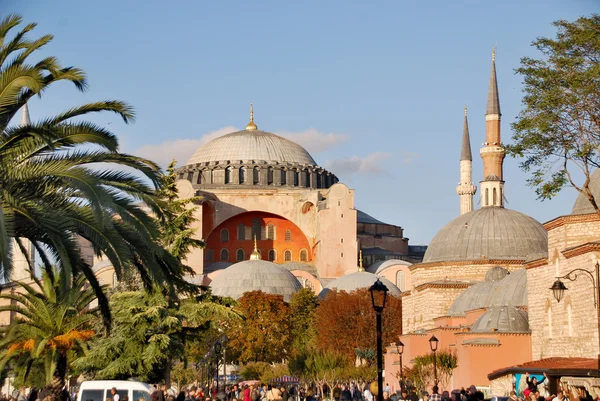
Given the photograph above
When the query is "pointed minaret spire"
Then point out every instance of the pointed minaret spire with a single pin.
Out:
(255, 255)
(25, 120)
(492, 153)
(465, 188)
(493, 102)
(251, 126)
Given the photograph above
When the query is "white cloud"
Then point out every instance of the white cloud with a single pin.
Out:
(408, 157)
(370, 164)
(182, 149)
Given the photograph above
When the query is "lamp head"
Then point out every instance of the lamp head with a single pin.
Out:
(433, 343)
(378, 295)
(558, 289)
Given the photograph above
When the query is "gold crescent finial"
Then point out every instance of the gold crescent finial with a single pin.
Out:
(360, 262)
(251, 125)
(465, 110)
(493, 53)
(255, 254)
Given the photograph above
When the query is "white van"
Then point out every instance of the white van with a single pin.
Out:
(99, 390)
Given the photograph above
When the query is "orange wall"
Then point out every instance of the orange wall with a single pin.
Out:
(280, 245)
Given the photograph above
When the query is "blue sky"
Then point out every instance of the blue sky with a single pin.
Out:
(374, 90)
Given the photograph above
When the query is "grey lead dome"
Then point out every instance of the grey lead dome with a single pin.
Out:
(252, 145)
(488, 233)
(255, 275)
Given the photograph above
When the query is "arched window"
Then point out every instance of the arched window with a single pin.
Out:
(272, 255)
(239, 255)
(303, 255)
(307, 177)
(283, 177)
(209, 256)
(241, 231)
(570, 318)
(271, 232)
(224, 255)
(287, 256)
(270, 176)
(295, 178)
(242, 175)
(494, 196)
(319, 180)
(401, 280)
(487, 202)
(256, 231)
(288, 235)
(501, 197)
(224, 235)
(549, 317)
(228, 175)
(255, 174)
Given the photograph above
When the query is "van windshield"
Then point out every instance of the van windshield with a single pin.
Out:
(92, 395)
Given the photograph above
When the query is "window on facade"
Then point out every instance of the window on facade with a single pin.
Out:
(288, 235)
(270, 176)
(255, 174)
(319, 181)
(208, 255)
(242, 175)
(303, 255)
(307, 177)
(228, 175)
(494, 197)
(256, 231)
(272, 255)
(271, 232)
(199, 178)
(295, 178)
(241, 232)
(400, 280)
(224, 235)
(487, 202)
(239, 255)
(224, 255)
(570, 318)
(287, 256)
(283, 177)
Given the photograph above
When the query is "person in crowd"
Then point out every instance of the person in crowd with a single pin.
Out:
(435, 395)
(532, 382)
(403, 395)
(412, 394)
(345, 395)
(367, 395)
(424, 396)
(246, 393)
(446, 396)
(386, 396)
(285, 395)
(560, 396)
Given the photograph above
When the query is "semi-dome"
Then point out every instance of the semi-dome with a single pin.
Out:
(358, 280)
(582, 204)
(254, 275)
(488, 233)
(504, 319)
(381, 265)
(252, 145)
(510, 290)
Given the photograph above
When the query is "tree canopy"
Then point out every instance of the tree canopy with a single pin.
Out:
(558, 130)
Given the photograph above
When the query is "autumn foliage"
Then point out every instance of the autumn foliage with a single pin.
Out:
(346, 322)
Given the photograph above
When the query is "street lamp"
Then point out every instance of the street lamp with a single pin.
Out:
(378, 297)
(559, 288)
(433, 344)
(400, 349)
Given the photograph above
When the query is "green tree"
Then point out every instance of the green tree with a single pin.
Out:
(558, 130)
(148, 335)
(325, 368)
(303, 306)
(62, 179)
(52, 325)
(421, 373)
(264, 334)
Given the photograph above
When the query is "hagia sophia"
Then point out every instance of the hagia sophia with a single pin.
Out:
(274, 220)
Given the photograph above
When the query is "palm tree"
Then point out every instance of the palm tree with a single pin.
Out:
(52, 190)
(52, 321)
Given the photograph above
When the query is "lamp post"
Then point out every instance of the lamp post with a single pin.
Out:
(218, 348)
(378, 297)
(400, 349)
(559, 288)
(433, 344)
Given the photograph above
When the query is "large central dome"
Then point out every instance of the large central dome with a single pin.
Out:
(252, 145)
(488, 233)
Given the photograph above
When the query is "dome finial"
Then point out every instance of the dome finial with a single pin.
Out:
(251, 126)
(255, 255)
(360, 262)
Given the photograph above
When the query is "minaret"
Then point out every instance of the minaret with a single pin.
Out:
(20, 269)
(360, 262)
(492, 152)
(251, 126)
(465, 188)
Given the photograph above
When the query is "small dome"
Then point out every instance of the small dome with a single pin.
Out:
(511, 291)
(504, 319)
(381, 265)
(488, 233)
(582, 204)
(252, 144)
(254, 275)
(357, 280)
(496, 273)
